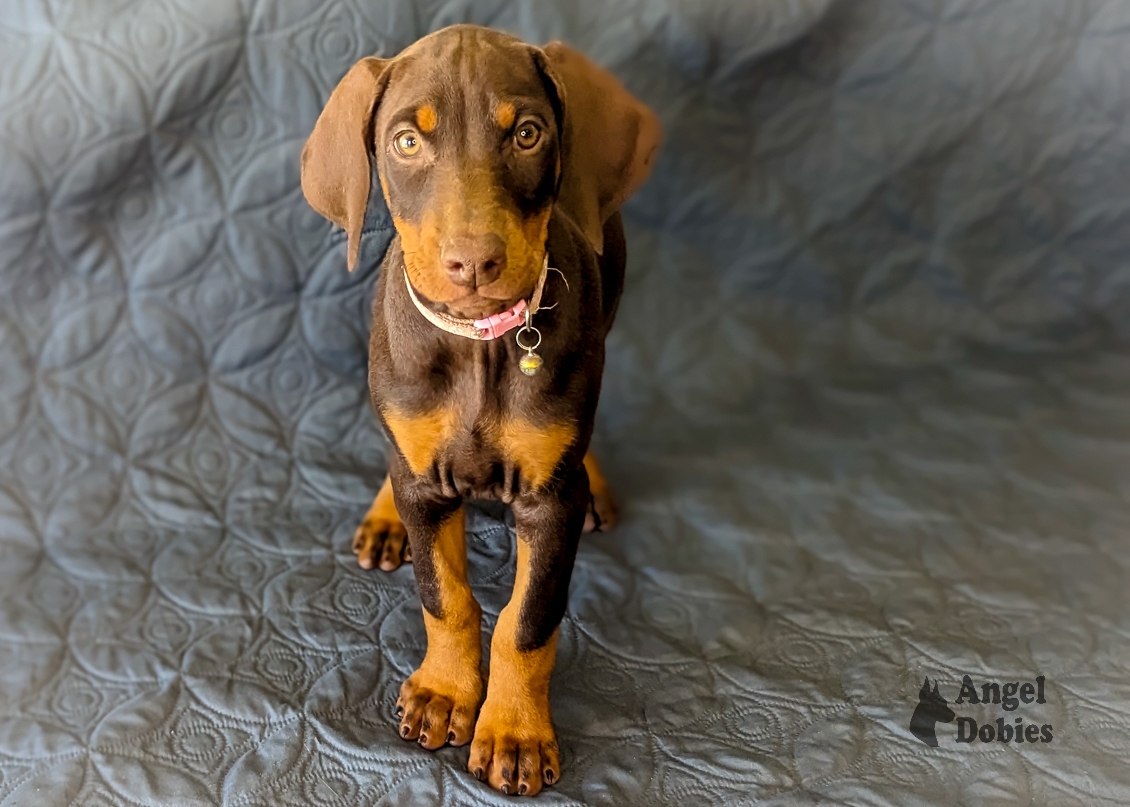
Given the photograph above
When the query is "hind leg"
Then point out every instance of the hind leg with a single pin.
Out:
(602, 513)
(381, 538)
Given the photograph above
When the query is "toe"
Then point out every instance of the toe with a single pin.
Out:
(366, 558)
(479, 762)
(393, 550)
(529, 769)
(550, 763)
(413, 719)
(367, 543)
(504, 766)
(461, 727)
(433, 731)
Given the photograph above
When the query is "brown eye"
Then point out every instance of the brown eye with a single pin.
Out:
(527, 135)
(407, 143)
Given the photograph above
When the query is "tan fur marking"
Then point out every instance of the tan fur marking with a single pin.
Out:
(536, 450)
(534, 232)
(470, 204)
(504, 114)
(420, 243)
(440, 698)
(516, 713)
(426, 118)
(419, 437)
(603, 502)
(384, 506)
(596, 478)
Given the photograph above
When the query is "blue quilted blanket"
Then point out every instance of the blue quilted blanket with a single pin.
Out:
(867, 410)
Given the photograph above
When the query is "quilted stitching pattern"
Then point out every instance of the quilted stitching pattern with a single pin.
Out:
(865, 408)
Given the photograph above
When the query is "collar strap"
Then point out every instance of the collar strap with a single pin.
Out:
(490, 327)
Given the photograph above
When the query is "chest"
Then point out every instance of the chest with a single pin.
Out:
(479, 427)
(461, 412)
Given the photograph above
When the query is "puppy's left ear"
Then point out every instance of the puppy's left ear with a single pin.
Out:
(609, 139)
(336, 164)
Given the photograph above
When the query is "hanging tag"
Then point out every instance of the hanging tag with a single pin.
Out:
(531, 363)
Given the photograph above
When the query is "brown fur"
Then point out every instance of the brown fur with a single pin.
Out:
(463, 421)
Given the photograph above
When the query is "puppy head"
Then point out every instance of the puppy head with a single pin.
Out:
(476, 136)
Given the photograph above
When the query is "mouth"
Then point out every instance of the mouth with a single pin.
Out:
(484, 301)
(476, 306)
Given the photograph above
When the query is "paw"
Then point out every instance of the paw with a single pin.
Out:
(435, 713)
(381, 540)
(516, 757)
(602, 513)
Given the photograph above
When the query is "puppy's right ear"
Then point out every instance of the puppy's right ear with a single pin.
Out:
(336, 159)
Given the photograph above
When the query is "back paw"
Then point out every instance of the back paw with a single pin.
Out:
(381, 540)
(602, 513)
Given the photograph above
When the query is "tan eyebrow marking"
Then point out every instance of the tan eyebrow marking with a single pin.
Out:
(426, 118)
(504, 114)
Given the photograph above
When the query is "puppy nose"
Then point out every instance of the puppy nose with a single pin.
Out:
(474, 260)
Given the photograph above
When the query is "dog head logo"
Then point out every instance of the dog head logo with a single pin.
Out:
(931, 709)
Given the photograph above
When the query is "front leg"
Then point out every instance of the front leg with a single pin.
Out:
(515, 748)
(438, 702)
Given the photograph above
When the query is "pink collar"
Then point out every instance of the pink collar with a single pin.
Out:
(490, 327)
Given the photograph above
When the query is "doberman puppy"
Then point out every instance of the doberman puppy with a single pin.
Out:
(504, 166)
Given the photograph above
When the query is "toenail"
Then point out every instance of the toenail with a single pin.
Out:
(549, 776)
(505, 789)
(403, 731)
(451, 736)
(522, 789)
(479, 774)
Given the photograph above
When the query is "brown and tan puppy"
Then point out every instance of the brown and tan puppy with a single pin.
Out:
(491, 153)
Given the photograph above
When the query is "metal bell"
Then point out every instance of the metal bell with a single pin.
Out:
(530, 363)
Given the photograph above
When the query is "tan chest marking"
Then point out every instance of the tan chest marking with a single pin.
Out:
(419, 437)
(536, 450)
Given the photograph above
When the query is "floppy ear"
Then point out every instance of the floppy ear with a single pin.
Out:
(336, 159)
(609, 139)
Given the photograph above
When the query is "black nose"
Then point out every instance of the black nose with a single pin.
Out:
(474, 260)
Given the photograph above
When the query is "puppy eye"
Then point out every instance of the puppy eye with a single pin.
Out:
(407, 143)
(527, 135)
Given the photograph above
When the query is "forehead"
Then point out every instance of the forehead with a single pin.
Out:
(467, 72)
